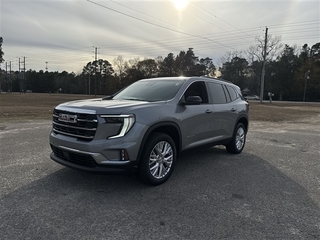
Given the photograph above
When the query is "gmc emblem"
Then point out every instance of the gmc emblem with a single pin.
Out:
(67, 118)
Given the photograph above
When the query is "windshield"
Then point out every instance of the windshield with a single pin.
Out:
(150, 90)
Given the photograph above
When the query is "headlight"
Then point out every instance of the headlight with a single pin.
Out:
(126, 122)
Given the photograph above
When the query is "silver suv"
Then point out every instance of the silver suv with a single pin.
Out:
(145, 126)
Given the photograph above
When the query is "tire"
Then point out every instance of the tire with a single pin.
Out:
(238, 140)
(158, 159)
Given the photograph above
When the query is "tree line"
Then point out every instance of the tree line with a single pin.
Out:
(291, 73)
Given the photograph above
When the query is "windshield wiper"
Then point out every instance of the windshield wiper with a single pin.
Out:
(107, 97)
(134, 99)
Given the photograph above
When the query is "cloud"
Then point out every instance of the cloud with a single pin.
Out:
(63, 33)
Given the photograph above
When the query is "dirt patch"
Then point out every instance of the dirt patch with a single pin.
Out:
(32, 106)
(37, 106)
(285, 112)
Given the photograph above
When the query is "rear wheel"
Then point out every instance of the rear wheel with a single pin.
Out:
(158, 159)
(238, 140)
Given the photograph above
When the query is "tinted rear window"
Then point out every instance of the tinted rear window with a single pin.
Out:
(217, 93)
(232, 93)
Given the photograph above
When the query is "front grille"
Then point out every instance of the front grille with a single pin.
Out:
(79, 125)
(78, 158)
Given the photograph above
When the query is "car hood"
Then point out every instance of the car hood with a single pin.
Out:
(99, 106)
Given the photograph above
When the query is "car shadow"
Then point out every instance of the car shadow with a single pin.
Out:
(211, 194)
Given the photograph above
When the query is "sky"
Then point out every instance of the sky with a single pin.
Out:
(61, 35)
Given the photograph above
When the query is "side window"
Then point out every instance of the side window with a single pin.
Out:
(227, 93)
(217, 93)
(197, 89)
(238, 91)
(232, 93)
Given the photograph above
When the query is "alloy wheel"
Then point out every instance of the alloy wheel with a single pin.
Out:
(161, 159)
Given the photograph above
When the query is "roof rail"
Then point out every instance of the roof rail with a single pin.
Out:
(217, 79)
(204, 76)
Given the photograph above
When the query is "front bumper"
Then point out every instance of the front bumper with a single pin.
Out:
(99, 155)
(86, 161)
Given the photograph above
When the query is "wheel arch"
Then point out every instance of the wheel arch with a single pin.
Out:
(169, 128)
(244, 120)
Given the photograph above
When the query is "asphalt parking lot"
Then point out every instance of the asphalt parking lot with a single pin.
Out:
(270, 191)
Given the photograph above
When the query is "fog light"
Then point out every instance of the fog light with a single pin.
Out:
(124, 155)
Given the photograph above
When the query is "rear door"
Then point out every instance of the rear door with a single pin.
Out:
(222, 111)
(233, 108)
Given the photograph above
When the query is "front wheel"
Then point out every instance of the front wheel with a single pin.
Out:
(238, 140)
(158, 159)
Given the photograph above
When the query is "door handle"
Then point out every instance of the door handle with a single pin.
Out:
(209, 111)
(233, 109)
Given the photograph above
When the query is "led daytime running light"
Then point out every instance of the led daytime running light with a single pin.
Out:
(128, 121)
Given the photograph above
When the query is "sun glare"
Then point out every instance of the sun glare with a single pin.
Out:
(180, 4)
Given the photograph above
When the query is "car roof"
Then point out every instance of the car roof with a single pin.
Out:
(182, 78)
(165, 78)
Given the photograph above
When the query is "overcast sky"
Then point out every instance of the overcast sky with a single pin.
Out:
(63, 33)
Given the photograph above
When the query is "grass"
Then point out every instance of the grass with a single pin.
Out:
(32, 106)
(283, 112)
(39, 106)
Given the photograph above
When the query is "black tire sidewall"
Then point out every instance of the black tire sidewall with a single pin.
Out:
(144, 170)
(231, 147)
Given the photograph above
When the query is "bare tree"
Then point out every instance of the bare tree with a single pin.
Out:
(229, 56)
(255, 52)
(120, 66)
(132, 63)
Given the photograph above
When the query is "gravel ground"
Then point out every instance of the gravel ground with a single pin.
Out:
(269, 191)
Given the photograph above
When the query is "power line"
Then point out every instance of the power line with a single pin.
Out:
(148, 16)
(217, 18)
(296, 23)
(214, 16)
(127, 15)
(291, 32)
(157, 25)
(134, 46)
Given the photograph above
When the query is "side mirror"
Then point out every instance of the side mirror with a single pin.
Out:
(192, 100)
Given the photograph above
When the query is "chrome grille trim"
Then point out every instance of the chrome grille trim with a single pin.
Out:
(72, 135)
(83, 127)
(80, 120)
(80, 128)
(87, 120)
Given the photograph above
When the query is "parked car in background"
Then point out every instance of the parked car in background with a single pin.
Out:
(252, 97)
(144, 127)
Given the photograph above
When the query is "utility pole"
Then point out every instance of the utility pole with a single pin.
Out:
(45, 78)
(19, 77)
(95, 72)
(263, 65)
(24, 76)
(10, 77)
(7, 85)
(90, 79)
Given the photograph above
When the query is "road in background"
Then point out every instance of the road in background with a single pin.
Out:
(270, 191)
